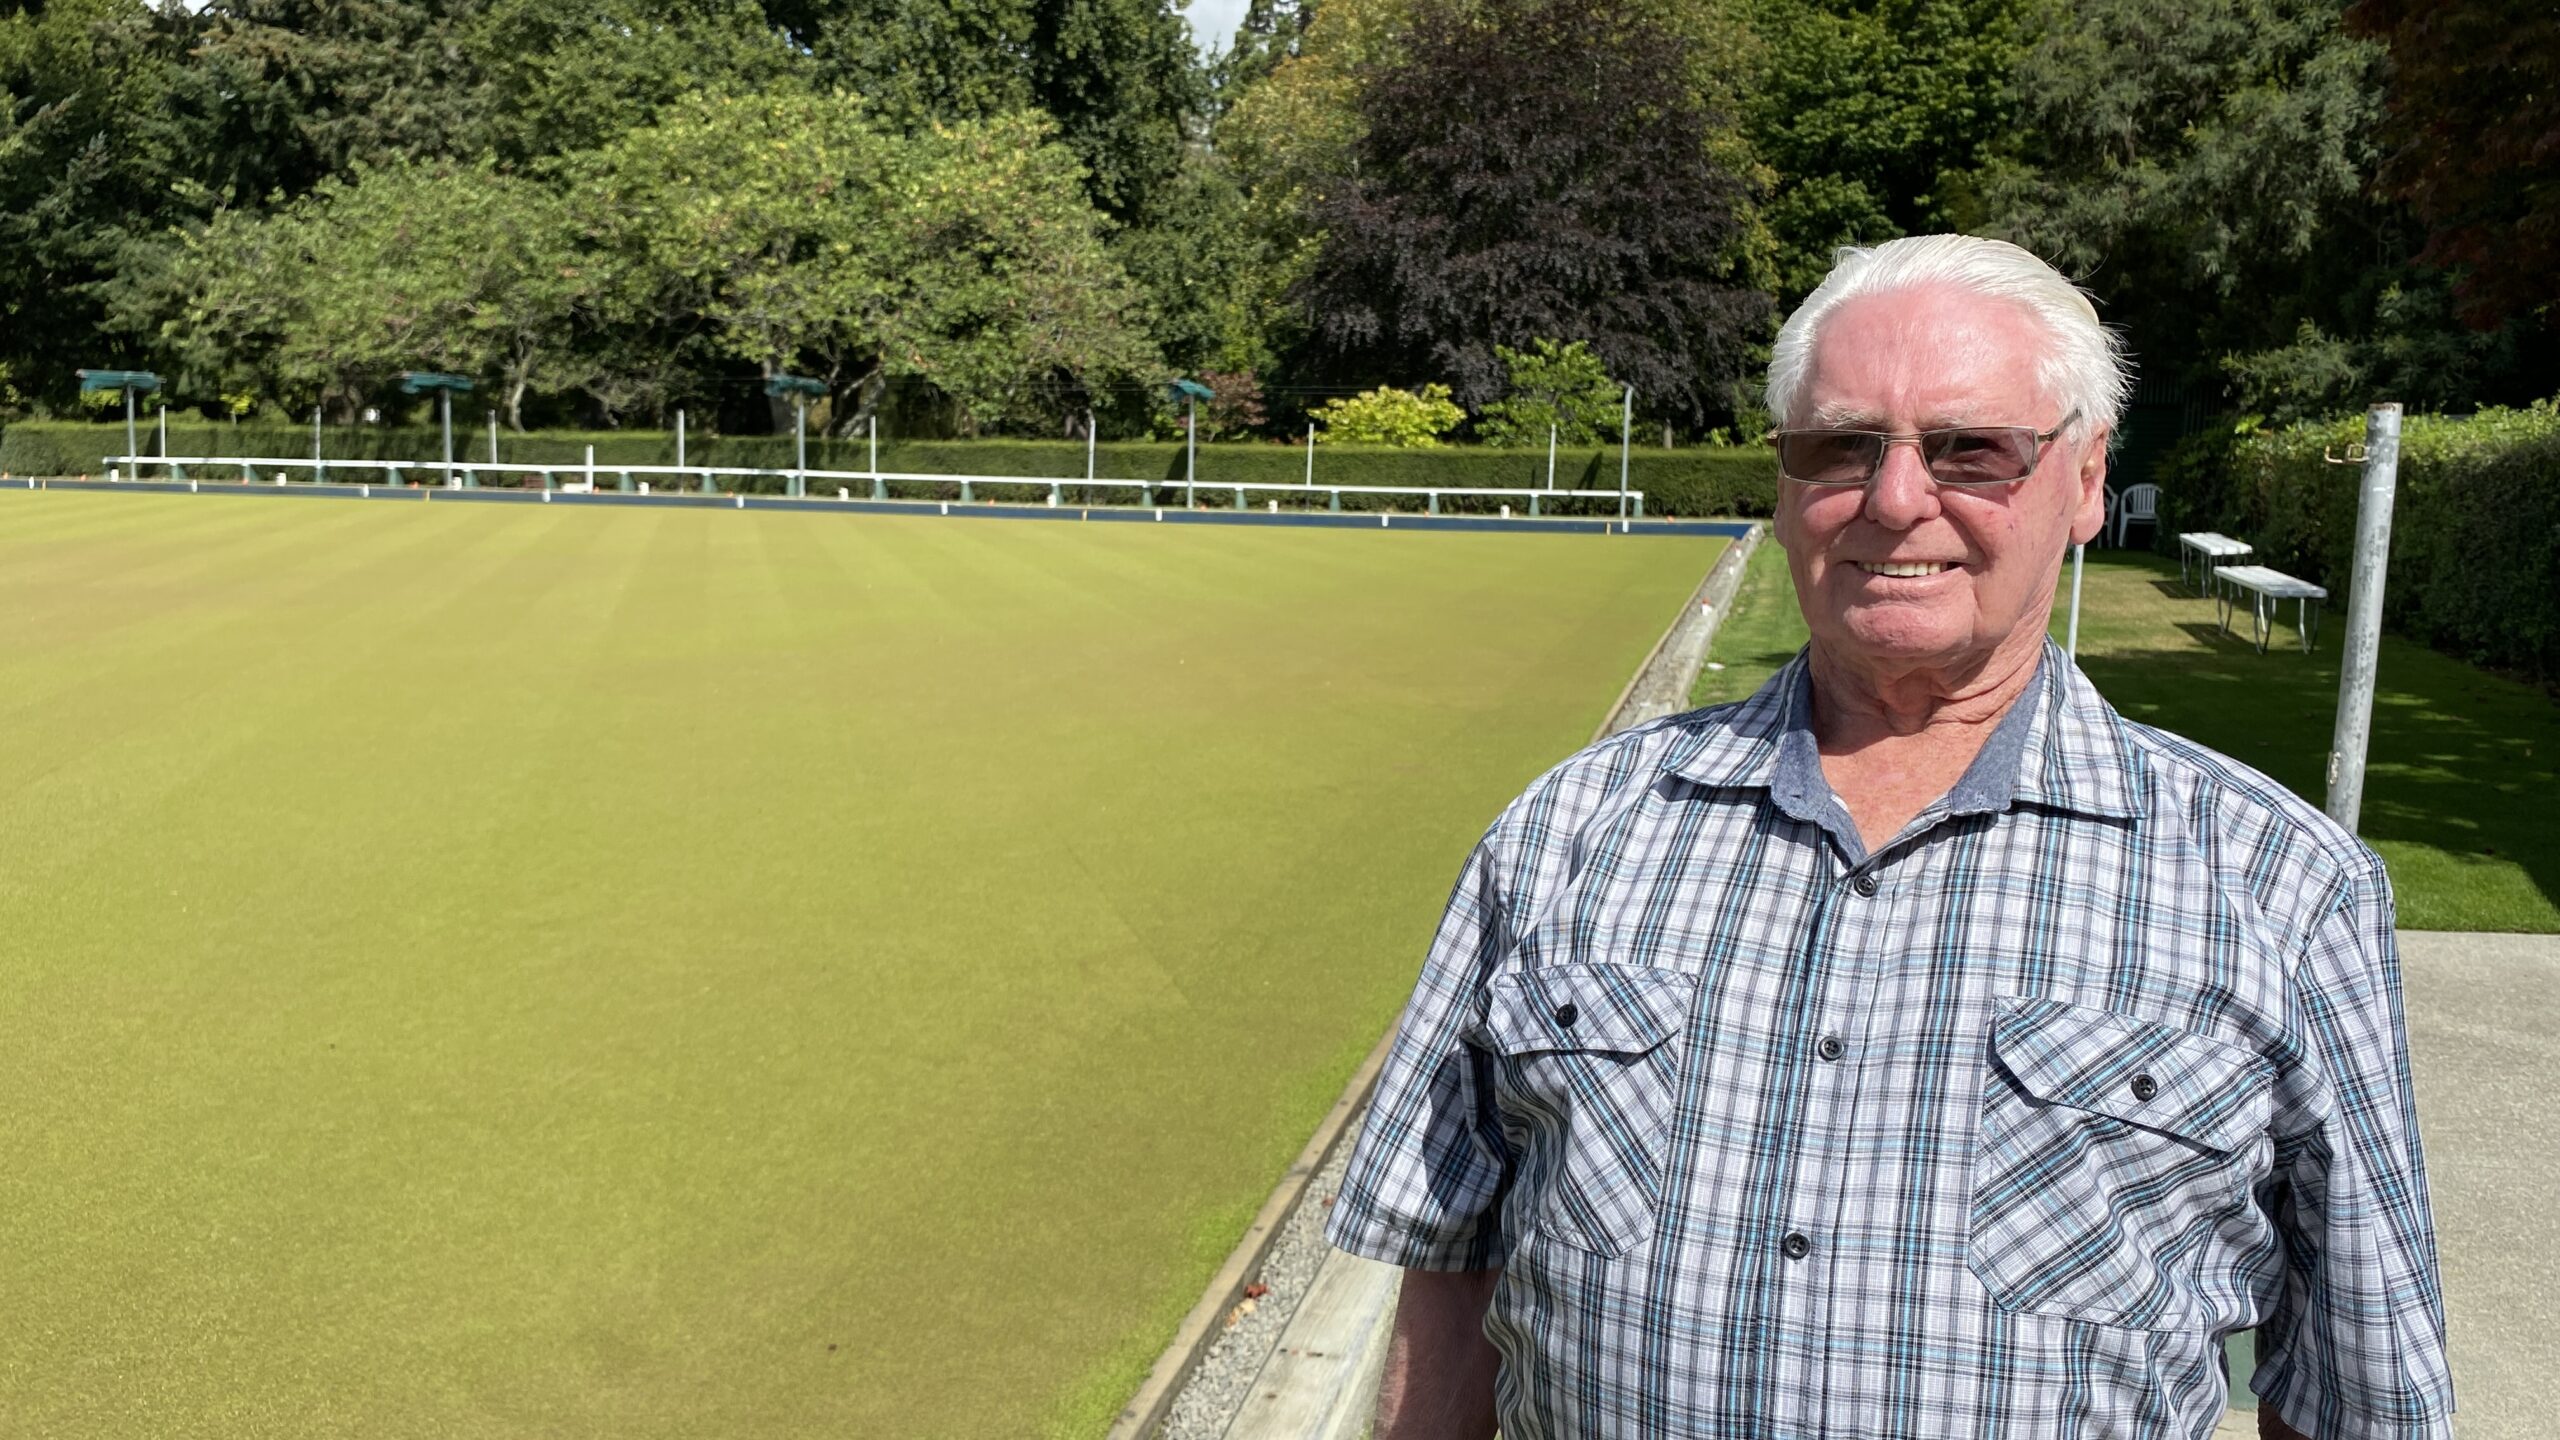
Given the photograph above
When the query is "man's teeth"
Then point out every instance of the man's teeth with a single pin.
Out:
(1909, 569)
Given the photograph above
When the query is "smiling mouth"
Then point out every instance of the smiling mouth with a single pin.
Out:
(1906, 569)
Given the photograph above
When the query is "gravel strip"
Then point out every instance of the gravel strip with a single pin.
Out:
(1217, 1390)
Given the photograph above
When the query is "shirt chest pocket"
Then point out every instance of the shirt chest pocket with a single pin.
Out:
(1587, 1068)
(2112, 1151)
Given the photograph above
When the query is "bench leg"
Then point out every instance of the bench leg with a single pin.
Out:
(2262, 625)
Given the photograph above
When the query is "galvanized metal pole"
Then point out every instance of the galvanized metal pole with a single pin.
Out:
(444, 405)
(1088, 446)
(800, 441)
(164, 432)
(2364, 615)
(132, 446)
(679, 437)
(2071, 636)
(875, 445)
(1626, 441)
(1191, 453)
(493, 437)
(318, 470)
(1311, 454)
(1551, 457)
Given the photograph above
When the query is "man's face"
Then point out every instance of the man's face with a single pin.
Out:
(1927, 359)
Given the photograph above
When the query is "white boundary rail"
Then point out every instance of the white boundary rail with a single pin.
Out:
(582, 477)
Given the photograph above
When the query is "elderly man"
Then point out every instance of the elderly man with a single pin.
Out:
(1918, 1047)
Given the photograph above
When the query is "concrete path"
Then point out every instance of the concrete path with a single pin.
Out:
(2484, 1042)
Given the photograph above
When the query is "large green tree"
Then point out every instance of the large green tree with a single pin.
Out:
(1545, 169)
(2207, 166)
(566, 76)
(1118, 76)
(310, 88)
(1873, 116)
(966, 257)
(98, 148)
(413, 265)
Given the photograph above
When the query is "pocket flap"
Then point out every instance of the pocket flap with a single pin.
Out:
(2139, 1071)
(1628, 1009)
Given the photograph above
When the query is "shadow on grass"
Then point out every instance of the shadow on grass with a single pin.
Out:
(2460, 762)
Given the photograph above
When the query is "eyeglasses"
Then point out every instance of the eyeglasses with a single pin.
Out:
(1963, 455)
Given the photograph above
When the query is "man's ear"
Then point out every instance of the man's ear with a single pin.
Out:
(2089, 517)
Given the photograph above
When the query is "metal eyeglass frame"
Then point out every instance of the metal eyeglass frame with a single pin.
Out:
(2035, 456)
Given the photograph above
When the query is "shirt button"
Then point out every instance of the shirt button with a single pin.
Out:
(1566, 1015)
(1829, 1047)
(2144, 1087)
(1864, 884)
(1795, 1245)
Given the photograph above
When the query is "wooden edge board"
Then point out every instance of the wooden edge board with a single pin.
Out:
(1200, 1328)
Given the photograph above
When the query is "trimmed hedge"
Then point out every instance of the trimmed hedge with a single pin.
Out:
(2475, 526)
(1696, 482)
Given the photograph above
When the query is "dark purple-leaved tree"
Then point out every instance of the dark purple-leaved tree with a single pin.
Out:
(1538, 169)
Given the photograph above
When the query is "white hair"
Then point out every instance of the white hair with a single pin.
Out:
(2083, 367)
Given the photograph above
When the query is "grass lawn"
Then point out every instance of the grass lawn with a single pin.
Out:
(2464, 770)
(480, 971)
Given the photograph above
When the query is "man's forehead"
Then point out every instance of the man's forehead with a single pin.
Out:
(1929, 356)
(1935, 414)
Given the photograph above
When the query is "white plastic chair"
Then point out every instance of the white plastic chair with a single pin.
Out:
(2139, 502)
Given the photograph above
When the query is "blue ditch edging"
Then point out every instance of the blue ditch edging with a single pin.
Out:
(1324, 520)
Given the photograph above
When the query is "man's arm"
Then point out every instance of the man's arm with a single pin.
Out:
(1440, 1369)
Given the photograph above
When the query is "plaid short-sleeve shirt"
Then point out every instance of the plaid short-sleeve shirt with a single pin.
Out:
(1997, 1130)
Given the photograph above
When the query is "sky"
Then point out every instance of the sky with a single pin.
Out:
(1214, 22)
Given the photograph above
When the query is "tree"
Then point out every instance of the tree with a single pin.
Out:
(1205, 267)
(566, 76)
(464, 269)
(1874, 114)
(1538, 170)
(2475, 129)
(311, 87)
(2206, 165)
(96, 149)
(1015, 307)
(2202, 163)
(1118, 76)
(966, 256)
(1550, 385)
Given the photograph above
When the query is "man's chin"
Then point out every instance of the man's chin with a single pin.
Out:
(1903, 637)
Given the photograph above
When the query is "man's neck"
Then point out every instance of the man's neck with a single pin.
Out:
(1855, 705)
(1892, 743)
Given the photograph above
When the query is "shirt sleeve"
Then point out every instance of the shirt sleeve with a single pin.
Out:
(1425, 1185)
(2354, 1345)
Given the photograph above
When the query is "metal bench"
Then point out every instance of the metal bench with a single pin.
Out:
(2267, 589)
(2210, 548)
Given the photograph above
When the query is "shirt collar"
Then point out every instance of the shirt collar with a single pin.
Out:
(2062, 747)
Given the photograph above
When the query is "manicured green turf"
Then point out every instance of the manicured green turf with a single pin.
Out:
(1761, 631)
(2464, 770)
(479, 971)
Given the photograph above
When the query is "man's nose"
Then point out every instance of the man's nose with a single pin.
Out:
(1901, 495)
